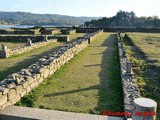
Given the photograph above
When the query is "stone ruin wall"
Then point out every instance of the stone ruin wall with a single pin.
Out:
(18, 84)
(129, 85)
(21, 38)
(5, 53)
(34, 38)
(20, 50)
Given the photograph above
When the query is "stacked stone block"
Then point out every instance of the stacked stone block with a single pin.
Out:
(130, 88)
(5, 53)
(18, 84)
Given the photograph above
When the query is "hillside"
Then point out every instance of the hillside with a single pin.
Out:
(125, 19)
(27, 18)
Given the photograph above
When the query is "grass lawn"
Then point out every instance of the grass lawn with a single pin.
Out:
(12, 44)
(146, 63)
(73, 36)
(89, 83)
(17, 62)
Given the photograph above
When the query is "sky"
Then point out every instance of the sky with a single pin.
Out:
(94, 8)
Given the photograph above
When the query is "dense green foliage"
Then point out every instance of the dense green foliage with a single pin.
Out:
(125, 19)
(24, 18)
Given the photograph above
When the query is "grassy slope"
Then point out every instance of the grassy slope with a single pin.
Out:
(146, 64)
(89, 83)
(16, 63)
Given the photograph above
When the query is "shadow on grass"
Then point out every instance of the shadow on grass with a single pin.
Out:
(110, 89)
(149, 72)
(24, 63)
(110, 92)
(92, 65)
(73, 91)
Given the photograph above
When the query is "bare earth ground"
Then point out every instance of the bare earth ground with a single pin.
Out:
(89, 83)
(146, 64)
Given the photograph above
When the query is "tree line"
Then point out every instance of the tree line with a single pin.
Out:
(125, 19)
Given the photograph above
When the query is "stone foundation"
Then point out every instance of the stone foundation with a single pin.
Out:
(34, 38)
(68, 31)
(64, 38)
(18, 84)
(130, 88)
(5, 53)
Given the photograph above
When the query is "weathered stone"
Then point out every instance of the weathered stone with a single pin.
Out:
(34, 77)
(3, 83)
(128, 67)
(46, 73)
(15, 99)
(13, 76)
(4, 90)
(26, 79)
(23, 93)
(3, 99)
(25, 84)
(26, 72)
(6, 104)
(0, 94)
(41, 70)
(4, 47)
(29, 42)
(32, 85)
(38, 76)
(28, 89)
(11, 94)
(144, 105)
(36, 83)
(19, 80)
(40, 79)
(42, 60)
(10, 81)
(130, 88)
(29, 80)
(11, 85)
(51, 72)
(19, 89)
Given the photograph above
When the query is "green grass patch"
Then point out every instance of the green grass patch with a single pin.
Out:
(12, 44)
(146, 64)
(18, 62)
(89, 83)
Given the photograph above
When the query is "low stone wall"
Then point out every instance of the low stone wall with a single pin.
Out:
(24, 32)
(64, 38)
(130, 88)
(115, 29)
(3, 31)
(18, 84)
(68, 31)
(86, 30)
(21, 38)
(5, 53)
(34, 38)
(91, 36)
